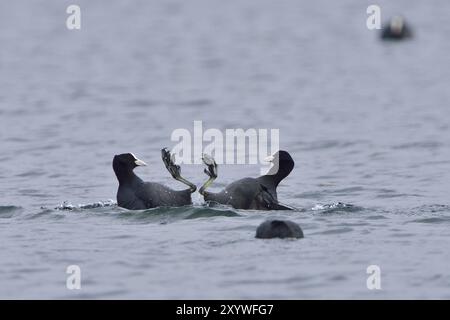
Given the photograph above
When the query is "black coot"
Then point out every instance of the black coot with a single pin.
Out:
(135, 194)
(251, 193)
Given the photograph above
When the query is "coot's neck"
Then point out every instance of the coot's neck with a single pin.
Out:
(274, 177)
(125, 175)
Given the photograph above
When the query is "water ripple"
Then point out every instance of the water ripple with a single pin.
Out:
(433, 220)
(9, 211)
(338, 207)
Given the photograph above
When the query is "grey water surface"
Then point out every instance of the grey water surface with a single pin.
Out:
(367, 123)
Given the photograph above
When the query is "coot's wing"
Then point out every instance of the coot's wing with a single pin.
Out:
(264, 198)
(158, 195)
(267, 200)
(155, 195)
(280, 206)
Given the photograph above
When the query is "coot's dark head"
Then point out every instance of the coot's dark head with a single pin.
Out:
(396, 29)
(123, 165)
(282, 164)
(279, 229)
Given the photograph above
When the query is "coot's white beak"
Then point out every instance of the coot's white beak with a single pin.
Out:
(269, 159)
(139, 162)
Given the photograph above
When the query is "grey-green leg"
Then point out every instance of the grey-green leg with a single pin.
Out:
(174, 169)
(210, 170)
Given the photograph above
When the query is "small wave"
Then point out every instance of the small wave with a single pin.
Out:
(169, 214)
(44, 213)
(161, 215)
(396, 195)
(338, 207)
(66, 209)
(8, 211)
(327, 144)
(209, 212)
(429, 213)
(433, 220)
(433, 208)
(376, 217)
(419, 145)
(334, 231)
(32, 173)
(101, 204)
(318, 194)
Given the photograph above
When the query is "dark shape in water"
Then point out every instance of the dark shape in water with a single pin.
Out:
(397, 29)
(9, 211)
(278, 229)
(135, 194)
(251, 193)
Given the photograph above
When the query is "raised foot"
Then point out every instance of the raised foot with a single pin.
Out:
(211, 166)
(169, 162)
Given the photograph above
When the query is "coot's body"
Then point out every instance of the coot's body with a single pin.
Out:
(251, 193)
(135, 194)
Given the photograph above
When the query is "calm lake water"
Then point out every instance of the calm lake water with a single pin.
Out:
(367, 123)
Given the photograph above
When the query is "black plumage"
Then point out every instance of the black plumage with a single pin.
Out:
(251, 193)
(135, 194)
